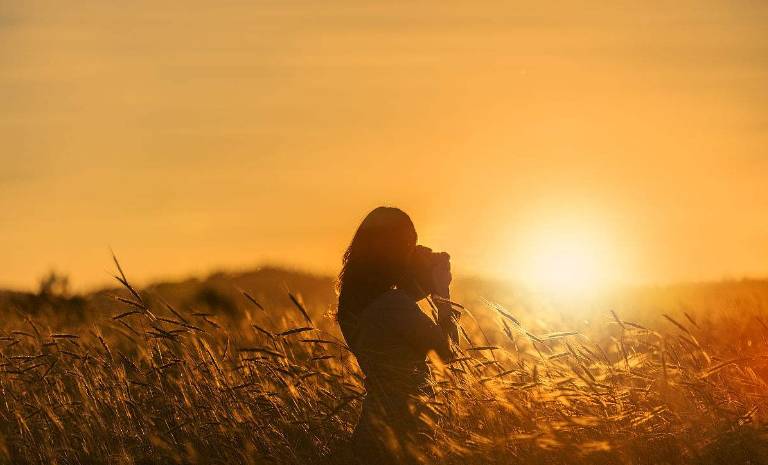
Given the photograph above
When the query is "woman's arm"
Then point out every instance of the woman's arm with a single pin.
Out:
(446, 317)
(419, 331)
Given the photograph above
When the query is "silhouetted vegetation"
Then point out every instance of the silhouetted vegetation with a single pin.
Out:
(228, 370)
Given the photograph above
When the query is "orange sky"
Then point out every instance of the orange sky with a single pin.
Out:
(193, 135)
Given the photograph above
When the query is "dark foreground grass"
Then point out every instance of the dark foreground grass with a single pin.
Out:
(157, 384)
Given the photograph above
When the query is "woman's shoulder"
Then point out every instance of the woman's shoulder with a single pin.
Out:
(393, 299)
(393, 310)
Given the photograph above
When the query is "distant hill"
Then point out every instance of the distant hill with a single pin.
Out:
(221, 294)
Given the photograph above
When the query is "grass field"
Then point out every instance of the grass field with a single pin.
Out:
(250, 369)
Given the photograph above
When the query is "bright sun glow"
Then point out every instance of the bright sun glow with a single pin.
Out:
(567, 259)
(565, 267)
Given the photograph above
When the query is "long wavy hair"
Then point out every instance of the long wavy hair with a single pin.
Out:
(373, 263)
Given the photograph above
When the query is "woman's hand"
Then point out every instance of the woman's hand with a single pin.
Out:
(441, 278)
(441, 275)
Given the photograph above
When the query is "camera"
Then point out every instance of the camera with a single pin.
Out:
(422, 265)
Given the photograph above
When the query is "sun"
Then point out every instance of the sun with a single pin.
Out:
(568, 259)
(565, 266)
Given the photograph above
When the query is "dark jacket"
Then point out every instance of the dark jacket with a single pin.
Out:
(391, 340)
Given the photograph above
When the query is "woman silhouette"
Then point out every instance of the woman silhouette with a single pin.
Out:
(384, 274)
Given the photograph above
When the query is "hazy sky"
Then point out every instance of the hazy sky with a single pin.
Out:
(193, 135)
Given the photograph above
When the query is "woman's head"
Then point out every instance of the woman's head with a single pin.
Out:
(375, 259)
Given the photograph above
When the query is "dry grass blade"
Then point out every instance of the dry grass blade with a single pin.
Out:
(679, 325)
(295, 331)
(480, 348)
(124, 281)
(173, 310)
(448, 301)
(262, 330)
(133, 303)
(263, 350)
(251, 299)
(617, 319)
(125, 314)
(301, 308)
(711, 371)
(559, 335)
(502, 312)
